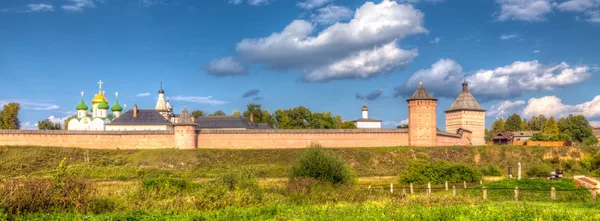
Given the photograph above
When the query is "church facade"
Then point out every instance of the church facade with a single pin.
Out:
(99, 117)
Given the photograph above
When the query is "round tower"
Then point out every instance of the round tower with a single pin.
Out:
(422, 130)
(185, 131)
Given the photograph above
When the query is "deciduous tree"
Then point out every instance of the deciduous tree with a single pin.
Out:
(218, 113)
(577, 127)
(236, 113)
(198, 113)
(513, 123)
(47, 124)
(348, 125)
(10, 116)
(402, 126)
(551, 127)
(498, 126)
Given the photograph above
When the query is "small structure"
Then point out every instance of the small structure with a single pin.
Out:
(365, 121)
(502, 138)
(523, 136)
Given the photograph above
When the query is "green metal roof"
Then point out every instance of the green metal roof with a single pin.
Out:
(81, 106)
(103, 105)
(116, 106)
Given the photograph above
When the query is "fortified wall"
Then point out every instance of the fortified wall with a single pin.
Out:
(226, 139)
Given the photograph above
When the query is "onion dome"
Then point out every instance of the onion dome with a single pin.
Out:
(81, 106)
(99, 98)
(116, 106)
(103, 105)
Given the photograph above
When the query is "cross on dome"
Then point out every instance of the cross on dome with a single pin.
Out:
(82, 95)
(100, 83)
(117, 94)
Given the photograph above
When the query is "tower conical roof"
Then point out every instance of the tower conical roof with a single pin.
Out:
(185, 118)
(465, 101)
(421, 94)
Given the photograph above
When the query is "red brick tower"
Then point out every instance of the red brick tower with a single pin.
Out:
(422, 130)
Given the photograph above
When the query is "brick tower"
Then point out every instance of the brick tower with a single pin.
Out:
(465, 113)
(422, 130)
(185, 131)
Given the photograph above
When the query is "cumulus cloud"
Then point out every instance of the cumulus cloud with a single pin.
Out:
(251, 93)
(227, 66)
(258, 2)
(507, 36)
(419, 1)
(80, 5)
(199, 100)
(310, 4)
(29, 126)
(505, 107)
(578, 5)
(524, 10)
(444, 77)
(146, 94)
(362, 48)
(60, 120)
(553, 106)
(331, 14)
(40, 8)
(395, 123)
(373, 95)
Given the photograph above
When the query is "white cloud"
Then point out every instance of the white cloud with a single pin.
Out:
(553, 106)
(258, 2)
(146, 94)
(395, 123)
(506, 36)
(331, 14)
(504, 108)
(79, 5)
(27, 104)
(59, 120)
(595, 123)
(227, 66)
(593, 16)
(536, 51)
(524, 10)
(40, 8)
(444, 79)
(235, 2)
(199, 100)
(374, 28)
(29, 126)
(578, 5)
(418, 1)
(435, 41)
(309, 4)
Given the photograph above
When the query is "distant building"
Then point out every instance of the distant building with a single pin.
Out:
(365, 121)
(228, 123)
(466, 113)
(523, 136)
(502, 138)
(99, 117)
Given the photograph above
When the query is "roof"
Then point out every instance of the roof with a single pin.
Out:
(185, 118)
(524, 133)
(364, 107)
(103, 105)
(98, 98)
(144, 117)
(465, 101)
(502, 135)
(81, 106)
(221, 122)
(421, 94)
(116, 106)
(366, 120)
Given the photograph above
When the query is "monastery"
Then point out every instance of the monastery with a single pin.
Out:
(161, 128)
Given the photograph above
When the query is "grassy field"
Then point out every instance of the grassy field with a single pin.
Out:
(208, 163)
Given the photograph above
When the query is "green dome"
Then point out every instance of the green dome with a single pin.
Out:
(103, 105)
(82, 106)
(116, 107)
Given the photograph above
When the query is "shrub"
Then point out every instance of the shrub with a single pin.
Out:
(538, 169)
(322, 165)
(422, 156)
(491, 170)
(239, 180)
(422, 171)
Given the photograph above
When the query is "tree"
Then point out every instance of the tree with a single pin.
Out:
(296, 118)
(322, 121)
(402, 126)
(218, 113)
(513, 123)
(258, 114)
(488, 135)
(47, 124)
(348, 125)
(10, 116)
(577, 127)
(198, 113)
(524, 125)
(337, 121)
(236, 113)
(498, 126)
(551, 127)
(532, 124)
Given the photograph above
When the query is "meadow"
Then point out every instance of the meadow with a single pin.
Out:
(40, 183)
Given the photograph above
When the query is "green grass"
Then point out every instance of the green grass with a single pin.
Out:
(207, 163)
(366, 211)
(533, 190)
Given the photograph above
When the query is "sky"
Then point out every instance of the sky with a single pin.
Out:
(519, 56)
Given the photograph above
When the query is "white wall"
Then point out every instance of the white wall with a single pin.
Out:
(368, 124)
(139, 127)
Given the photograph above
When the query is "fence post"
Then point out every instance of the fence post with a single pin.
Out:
(553, 194)
(480, 182)
(484, 193)
(428, 189)
(453, 190)
(446, 185)
(519, 171)
(594, 192)
(411, 189)
(391, 188)
(516, 193)
(403, 191)
(465, 184)
(369, 189)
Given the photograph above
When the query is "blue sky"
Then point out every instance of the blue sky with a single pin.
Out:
(526, 56)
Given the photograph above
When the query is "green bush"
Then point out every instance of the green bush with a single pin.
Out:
(322, 165)
(422, 171)
(245, 179)
(491, 170)
(538, 169)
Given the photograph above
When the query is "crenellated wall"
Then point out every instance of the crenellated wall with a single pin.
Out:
(183, 137)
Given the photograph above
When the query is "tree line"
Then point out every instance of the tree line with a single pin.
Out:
(573, 127)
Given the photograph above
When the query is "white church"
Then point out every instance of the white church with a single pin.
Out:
(365, 121)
